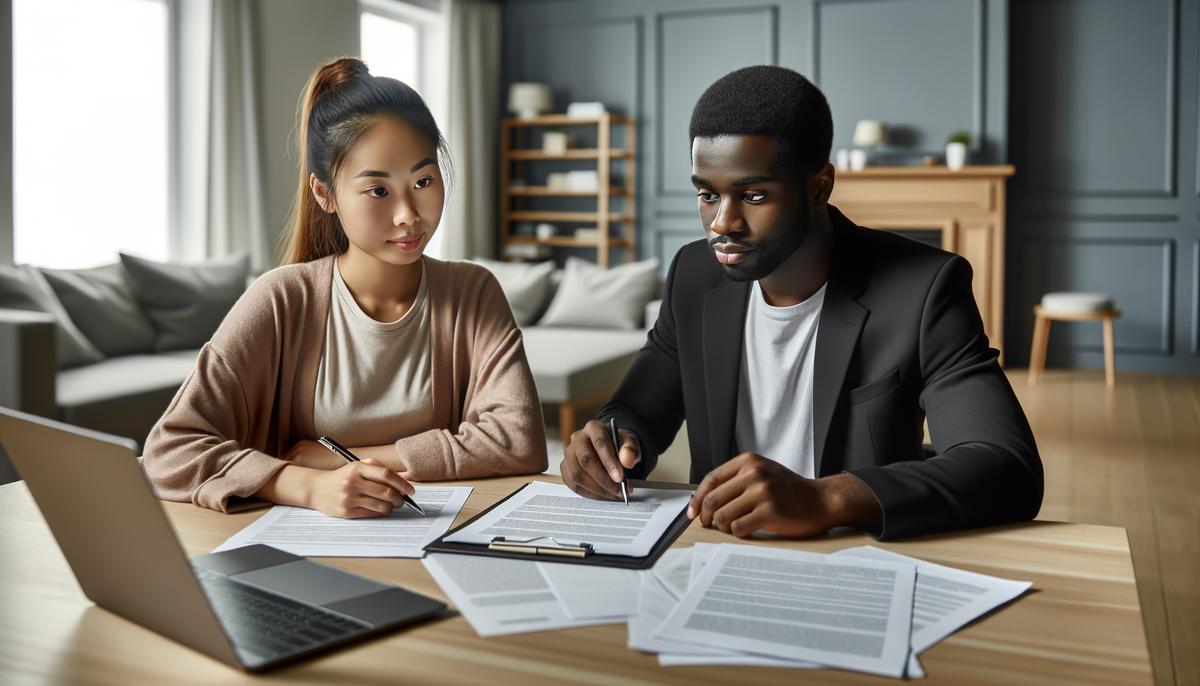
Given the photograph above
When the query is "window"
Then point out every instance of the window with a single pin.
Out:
(90, 140)
(404, 41)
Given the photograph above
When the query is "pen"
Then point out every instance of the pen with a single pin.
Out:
(612, 427)
(348, 456)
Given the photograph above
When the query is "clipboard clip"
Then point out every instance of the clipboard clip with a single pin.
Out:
(530, 546)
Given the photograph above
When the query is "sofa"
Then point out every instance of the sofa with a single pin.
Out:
(581, 325)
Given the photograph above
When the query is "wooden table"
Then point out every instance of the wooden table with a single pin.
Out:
(1082, 623)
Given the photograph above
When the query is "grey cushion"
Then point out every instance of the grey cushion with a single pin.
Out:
(592, 296)
(123, 395)
(526, 286)
(572, 364)
(102, 305)
(25, 288)
(1076, 303)
(186, 302)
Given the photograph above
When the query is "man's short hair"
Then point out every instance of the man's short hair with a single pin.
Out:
(770, 101)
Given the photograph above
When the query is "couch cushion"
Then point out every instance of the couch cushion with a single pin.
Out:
(26, 288)
(592, 296)
(187, 302)
(123, 395)
(526, 286)
(573, 364)
(102, 305)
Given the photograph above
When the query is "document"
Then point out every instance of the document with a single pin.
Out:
(404, 533)
(946, 598)
(658, 596)
(590, 592)
(673, 569)
(551, 513)
(855, 614)
(499, 596)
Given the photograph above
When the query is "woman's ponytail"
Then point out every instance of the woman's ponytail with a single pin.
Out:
(314, 232)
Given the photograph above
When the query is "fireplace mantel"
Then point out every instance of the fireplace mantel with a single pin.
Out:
(965, 207)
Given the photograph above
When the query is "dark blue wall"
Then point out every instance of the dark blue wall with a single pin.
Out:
(1094, 101)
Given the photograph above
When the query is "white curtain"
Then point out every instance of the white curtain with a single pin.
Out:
(473, 44)
(220, 188)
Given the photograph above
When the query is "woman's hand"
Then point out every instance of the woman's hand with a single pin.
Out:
(357, 490)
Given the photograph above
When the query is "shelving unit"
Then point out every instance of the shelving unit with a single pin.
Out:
(512, 165)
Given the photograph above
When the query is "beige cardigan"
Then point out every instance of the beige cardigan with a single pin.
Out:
(250, 396)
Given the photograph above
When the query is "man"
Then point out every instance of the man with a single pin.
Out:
(806, 352)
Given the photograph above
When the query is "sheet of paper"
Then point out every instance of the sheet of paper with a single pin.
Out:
(499, 596)
(404, 533)
(657, 598)
(701, 554)
(946, 598)
(855, 614)
(588, 592)
(673, 569)
(543, 511)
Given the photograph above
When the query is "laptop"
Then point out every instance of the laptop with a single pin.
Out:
(253, 608)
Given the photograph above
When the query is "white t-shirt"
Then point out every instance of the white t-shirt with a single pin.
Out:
(775, 388)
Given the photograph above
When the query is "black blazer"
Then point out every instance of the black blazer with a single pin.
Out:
(899, 339)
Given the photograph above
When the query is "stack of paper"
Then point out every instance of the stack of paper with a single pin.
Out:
(862, 609)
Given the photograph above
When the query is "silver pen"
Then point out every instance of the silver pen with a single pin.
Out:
(612, 427)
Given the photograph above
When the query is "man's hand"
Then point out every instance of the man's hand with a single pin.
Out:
(591, 466)
(751, 492)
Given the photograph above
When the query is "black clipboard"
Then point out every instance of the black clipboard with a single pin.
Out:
(597, 559)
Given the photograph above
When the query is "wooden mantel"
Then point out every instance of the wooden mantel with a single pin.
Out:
(965, 206)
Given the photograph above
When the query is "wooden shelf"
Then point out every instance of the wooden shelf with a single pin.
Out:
(546, 191)
(569, 242)
(551, 216)
(564, 120)
(576, 154)
(599, 214)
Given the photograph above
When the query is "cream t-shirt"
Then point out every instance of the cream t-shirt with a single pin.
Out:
(373, 383)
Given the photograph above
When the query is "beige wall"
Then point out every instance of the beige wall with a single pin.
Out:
(294, 36)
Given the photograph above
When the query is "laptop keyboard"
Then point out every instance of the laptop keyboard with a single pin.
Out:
(267, 625)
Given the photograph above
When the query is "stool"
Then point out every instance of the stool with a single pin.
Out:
(1072, 307)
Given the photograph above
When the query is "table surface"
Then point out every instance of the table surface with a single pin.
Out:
(1081, 623)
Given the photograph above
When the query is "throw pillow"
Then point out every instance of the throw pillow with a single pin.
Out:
(102, 305)
(186, 302)
(24, 288)
(527, 286)
(592, 296)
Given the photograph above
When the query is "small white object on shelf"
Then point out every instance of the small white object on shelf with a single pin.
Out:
(545, 231)
(583, 180)
(858, 159)
(554, 142)
(525, 251)
(556, 181)
(842, 159)
(528, 100)
(585, 110)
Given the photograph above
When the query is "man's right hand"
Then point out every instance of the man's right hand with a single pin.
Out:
(591, 466)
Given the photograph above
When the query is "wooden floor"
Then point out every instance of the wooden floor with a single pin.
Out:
(1131, 458)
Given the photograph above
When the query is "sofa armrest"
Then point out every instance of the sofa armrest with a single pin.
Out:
(28, 362)
(652, 309)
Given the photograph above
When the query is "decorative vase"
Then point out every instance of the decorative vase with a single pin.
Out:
(956, 156)
(858, 160)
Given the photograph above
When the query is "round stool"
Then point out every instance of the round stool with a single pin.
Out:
(1072, 307)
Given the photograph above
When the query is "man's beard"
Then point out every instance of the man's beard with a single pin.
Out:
(766, 256)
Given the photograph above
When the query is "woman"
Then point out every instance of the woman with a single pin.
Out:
(415, 364)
